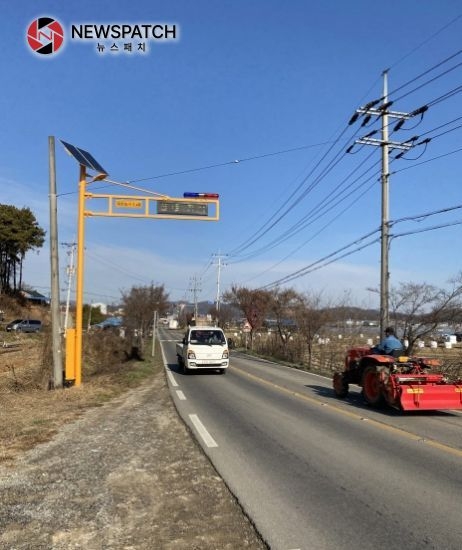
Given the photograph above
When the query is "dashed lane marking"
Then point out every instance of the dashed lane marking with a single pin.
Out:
(173, 382)
(181, 395)
(206, 437)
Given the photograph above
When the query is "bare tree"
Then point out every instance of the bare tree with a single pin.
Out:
(139, 305)
(253, 303)
(311, 316)
(420, 308)
(224, 316)
(281, 305)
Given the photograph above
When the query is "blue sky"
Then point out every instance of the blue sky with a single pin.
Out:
(247, 81)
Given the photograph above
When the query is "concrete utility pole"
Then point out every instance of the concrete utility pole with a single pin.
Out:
(384, 113)
(70, 270)
(384, 270)
(154, 329)
(219, 258)
(54, 269)
(194, 288)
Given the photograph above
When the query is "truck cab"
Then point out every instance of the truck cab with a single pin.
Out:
(203, 348)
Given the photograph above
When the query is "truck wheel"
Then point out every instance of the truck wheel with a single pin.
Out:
(340, 385)
(185, 369)
(372, 387)
(222, 371)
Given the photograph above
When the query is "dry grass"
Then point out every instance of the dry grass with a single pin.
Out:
(31, 414)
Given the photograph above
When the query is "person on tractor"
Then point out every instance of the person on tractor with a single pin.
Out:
(389, 344)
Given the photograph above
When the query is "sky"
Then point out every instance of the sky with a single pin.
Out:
(251, 100)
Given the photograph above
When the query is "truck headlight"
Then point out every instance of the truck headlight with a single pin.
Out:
(225, 354)
(191, 355)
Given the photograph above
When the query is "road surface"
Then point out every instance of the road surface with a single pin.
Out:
(314, 472)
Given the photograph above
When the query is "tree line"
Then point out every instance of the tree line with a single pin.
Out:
(19, 234)
(417, 310)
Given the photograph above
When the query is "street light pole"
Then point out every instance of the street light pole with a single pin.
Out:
(79, 278)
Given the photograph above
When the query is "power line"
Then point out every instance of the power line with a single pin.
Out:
(428, 82)
(230, 162)
(419, 217)
(269, 224)
(425, 72)
(439, 31)
(316, 212)
(426, 161)
(314, 266)
(426, 229)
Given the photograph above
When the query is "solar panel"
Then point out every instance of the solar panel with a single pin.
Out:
(83, 157)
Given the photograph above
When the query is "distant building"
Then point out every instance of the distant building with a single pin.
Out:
(102, 307)
(35, 297)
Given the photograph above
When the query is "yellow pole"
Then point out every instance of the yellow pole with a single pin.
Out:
(79, 277)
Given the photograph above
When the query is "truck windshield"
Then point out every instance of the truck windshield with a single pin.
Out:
(207, 337)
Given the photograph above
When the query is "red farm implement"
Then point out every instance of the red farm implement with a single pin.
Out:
(405, 383)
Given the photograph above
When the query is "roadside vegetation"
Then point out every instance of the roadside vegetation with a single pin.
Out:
(31, 414)
(311, 332)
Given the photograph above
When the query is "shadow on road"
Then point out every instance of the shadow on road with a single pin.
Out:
(356, 400)
(175, 368)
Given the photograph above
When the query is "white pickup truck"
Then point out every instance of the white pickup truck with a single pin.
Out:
(203, 348)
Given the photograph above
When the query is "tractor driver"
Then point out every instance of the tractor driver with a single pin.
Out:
(389, 344)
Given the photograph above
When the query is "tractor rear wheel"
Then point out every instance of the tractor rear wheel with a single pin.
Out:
(340, 385)
(372, 387)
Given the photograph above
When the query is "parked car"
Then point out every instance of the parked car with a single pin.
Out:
(24, 325)
(13, 325)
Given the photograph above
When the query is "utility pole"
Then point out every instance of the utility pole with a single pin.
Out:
(154, 329)
(54, 264)
(384, 113)
(70, 270)
(384, 269)
(194, 288)
(219, 264)
(89, 316)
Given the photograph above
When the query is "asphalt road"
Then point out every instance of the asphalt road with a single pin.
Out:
(314, 472)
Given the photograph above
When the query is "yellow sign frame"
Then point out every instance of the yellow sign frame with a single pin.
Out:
(146, 204)
(74, 337)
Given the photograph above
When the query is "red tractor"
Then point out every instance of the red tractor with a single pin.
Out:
(405, 383)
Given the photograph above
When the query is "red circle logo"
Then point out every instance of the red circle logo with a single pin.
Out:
(45, 35)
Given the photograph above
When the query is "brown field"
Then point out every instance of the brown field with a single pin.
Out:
(30, 413)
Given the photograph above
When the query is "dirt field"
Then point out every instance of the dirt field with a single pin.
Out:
(104, 466)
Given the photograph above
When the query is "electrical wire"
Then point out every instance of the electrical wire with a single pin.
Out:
(426, 161)
(445, 96)
(317, 211)
(420, 217)
(425, 72)
(314, 267)
(426, 229)
(431, 37)
(230, 162)
(122, 270)
(269, 224)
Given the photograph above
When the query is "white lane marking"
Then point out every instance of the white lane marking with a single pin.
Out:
(173, 382)
(181, 395)
(207, 438)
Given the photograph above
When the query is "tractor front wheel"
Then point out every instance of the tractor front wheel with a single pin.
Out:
(372, 387)
(340, 385)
